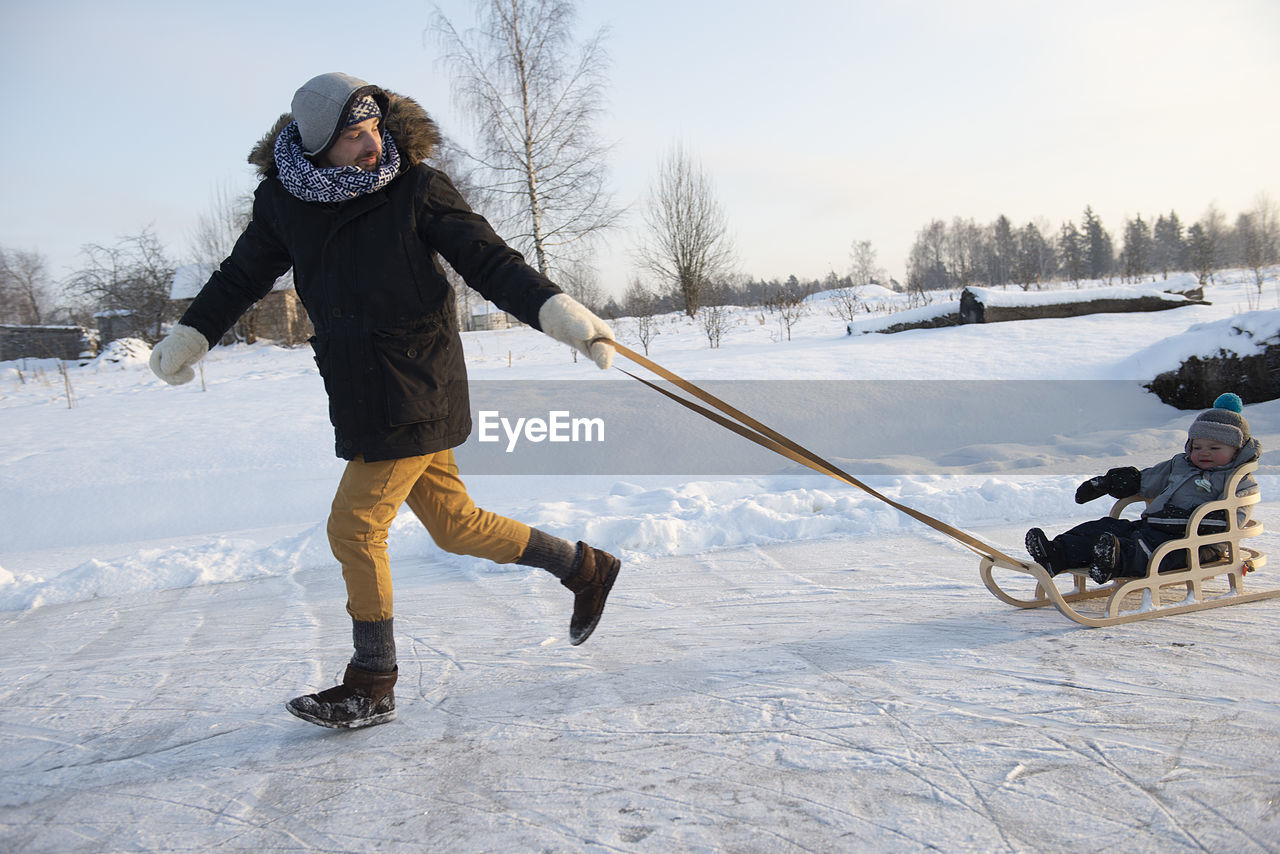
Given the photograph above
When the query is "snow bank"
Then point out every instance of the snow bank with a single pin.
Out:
(214, 562)
(1243, 335)
(686, 519)
(1014, 298)
(920, 315)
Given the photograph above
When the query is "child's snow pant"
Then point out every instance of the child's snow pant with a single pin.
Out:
(1138, 541)
(368, 497)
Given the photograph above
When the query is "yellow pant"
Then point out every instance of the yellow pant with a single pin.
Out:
(370, 495)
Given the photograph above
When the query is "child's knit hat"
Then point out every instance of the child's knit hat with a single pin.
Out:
(1224, 423)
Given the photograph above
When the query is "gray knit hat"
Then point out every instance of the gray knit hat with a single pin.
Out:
(1224, 423)
(323, 105)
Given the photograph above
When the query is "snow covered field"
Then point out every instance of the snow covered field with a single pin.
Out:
(785, 665)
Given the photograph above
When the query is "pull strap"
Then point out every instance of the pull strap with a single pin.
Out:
(749, 428)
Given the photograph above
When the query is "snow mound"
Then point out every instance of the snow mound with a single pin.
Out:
(123, 353)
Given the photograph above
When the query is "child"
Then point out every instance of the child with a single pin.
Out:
(1218, 442)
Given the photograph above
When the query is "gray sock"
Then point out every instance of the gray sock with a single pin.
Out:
(375, 644)
(558, 557)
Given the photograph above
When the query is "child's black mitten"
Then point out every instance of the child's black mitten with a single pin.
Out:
(1094, 487)
(1123, 482)
(1118, 483)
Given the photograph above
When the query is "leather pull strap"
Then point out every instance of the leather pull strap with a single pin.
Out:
(749, 428)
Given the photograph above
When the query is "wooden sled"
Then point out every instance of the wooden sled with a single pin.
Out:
(1200, 586)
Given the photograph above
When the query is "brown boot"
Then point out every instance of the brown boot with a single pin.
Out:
(363, 699)
(590, 583)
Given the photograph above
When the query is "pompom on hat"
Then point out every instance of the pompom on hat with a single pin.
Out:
(1224, 423)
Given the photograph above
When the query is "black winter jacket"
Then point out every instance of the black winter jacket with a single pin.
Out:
(367, 272)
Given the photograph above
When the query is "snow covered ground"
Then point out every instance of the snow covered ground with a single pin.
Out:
(786, 664)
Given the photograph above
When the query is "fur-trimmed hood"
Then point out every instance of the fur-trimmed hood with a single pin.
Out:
(416, 135)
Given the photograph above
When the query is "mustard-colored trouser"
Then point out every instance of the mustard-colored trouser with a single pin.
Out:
(370, 495)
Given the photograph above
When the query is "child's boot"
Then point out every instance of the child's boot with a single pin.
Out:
(1043, 551)
(1105, 553)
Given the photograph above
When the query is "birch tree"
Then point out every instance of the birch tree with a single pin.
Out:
(535, 98)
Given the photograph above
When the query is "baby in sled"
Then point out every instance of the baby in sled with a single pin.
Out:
(1218, 442)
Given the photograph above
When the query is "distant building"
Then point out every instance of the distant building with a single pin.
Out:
(47, 342)
(489, 316)
(278, 317)
(116, 324)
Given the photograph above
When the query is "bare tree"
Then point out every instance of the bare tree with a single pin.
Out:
(133, 277)
(847, 303)
(581, 281)
(1268, 218)
(1252, 251)
(1213, 224)
(864, 270)
(687, 244)
(964, 250)
(715, 315)
(449, 157)
(926, 270)
(24, 287)
(535, 104)
(218, 228)
(790, 304)
(641, 305)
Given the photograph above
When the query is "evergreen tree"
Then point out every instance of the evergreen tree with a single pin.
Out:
(1137, 248)
(1201, 252)
(1033, 256)
(1169, 251)
(1005, 252)
(1099, 254)
(1071, 251)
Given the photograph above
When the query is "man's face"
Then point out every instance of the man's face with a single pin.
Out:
(359, 145)
(1208, 454)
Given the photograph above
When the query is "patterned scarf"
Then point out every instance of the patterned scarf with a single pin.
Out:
(312, 183)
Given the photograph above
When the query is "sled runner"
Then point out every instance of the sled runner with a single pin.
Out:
(1212, 583)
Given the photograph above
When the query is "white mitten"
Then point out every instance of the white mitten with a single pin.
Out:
(172, 358)
(568, 321)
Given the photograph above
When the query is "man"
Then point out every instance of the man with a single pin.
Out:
(346, 200)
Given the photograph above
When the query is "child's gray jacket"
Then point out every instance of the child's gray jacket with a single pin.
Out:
(1176, 487)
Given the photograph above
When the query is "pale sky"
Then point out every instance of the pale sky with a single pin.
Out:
(819, 122)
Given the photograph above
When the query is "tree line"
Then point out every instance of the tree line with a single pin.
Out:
(998, 254)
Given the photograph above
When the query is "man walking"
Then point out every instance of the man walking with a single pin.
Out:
(347, 201)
